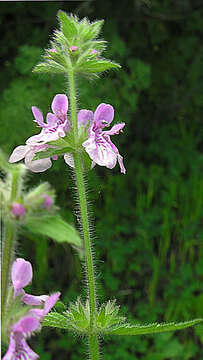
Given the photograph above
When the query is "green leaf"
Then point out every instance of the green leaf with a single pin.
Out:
(90, 31)
(49, 67)
(108, 316)
(50, 152)
(95, 28)
(95, 66)
(56, 228)
(78, 316)
(56, 320)
(127, 329)
(68, 25)
(57, 57)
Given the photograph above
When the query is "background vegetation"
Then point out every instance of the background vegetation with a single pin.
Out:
(148, 237)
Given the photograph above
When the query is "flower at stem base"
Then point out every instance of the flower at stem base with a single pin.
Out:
(18, 348)
(21, 276)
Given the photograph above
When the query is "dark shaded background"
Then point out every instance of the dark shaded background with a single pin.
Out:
(148, 237)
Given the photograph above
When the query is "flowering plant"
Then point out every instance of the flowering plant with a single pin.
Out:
(78, 136)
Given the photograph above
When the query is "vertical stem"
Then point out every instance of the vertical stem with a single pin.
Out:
(86, 235)
(93, 347)
(8, 254)
(73, 104)
(9, 237)
(93, 339)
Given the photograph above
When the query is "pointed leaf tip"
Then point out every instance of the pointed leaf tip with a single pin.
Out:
(96, 66)
(127, 329)
(68, 25)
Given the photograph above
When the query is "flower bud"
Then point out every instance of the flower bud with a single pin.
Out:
(18, 209)
(48, 202)
(73, 48)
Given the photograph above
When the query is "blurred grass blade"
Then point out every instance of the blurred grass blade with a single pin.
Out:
(127, 329)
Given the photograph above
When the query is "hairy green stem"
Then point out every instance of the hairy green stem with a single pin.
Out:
(86, 235)
(8, 256)
(9, 238)
(94, 347)
(93, 339)
(73, 104)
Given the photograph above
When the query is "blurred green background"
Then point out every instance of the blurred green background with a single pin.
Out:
(148, 224)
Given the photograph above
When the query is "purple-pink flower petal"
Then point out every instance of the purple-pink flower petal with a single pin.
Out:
(85, 117)
(26, 325)
(68, 158)
(34, 300)
(18, 153)
(120, 161)
(115, 129)
(38, 116)
(51, 120)
(100, 151)
(50, 302)
(60, 104)
(18, 348)
(37, 313)
(37, 165)
(103, 115)
(21, 274)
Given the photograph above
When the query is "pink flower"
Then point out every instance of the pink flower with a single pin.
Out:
(17, 209)
(99, 145)
(56, 126)
(18, 348)
(21, 276)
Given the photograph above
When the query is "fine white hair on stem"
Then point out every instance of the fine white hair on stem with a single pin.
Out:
(90, 225)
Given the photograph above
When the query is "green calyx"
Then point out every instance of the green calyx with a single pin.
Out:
(67, 145)
(76, 46)
(77, 318)
(13, 312)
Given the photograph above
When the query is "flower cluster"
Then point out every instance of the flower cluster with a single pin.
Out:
(56, 126)
(21, 276)
(98, 144)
